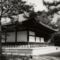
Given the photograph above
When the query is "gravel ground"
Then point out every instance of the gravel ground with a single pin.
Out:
(33, 58)
(46, 58)
(52, 56)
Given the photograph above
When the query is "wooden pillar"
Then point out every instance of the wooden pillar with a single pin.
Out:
(28, 36)
(5, 36)
(35, 37)
(15, 36)
(16, 25)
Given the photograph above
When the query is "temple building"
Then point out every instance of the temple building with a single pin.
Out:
(28, 32)
(23, 38)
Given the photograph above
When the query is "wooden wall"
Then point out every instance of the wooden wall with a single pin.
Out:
(11, 37)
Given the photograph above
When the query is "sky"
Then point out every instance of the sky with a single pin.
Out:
(37, 4)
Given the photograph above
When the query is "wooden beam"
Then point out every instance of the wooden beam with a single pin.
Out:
(27, 35)
(5, 36)
(16, 36)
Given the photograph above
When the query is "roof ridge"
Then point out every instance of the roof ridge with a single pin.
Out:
(48, 26)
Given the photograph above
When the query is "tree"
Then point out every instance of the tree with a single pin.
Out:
(58, 23)
(8, 8)
(43, 17)
(53, 8)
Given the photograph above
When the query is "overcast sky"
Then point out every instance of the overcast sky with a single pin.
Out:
(38, 4)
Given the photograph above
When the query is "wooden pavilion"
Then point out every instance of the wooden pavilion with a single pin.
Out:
(29, 32)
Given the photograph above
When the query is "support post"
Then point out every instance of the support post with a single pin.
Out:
(0, 41)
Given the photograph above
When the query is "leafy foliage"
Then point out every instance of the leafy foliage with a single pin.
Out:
(14, 7)
(52, 7)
